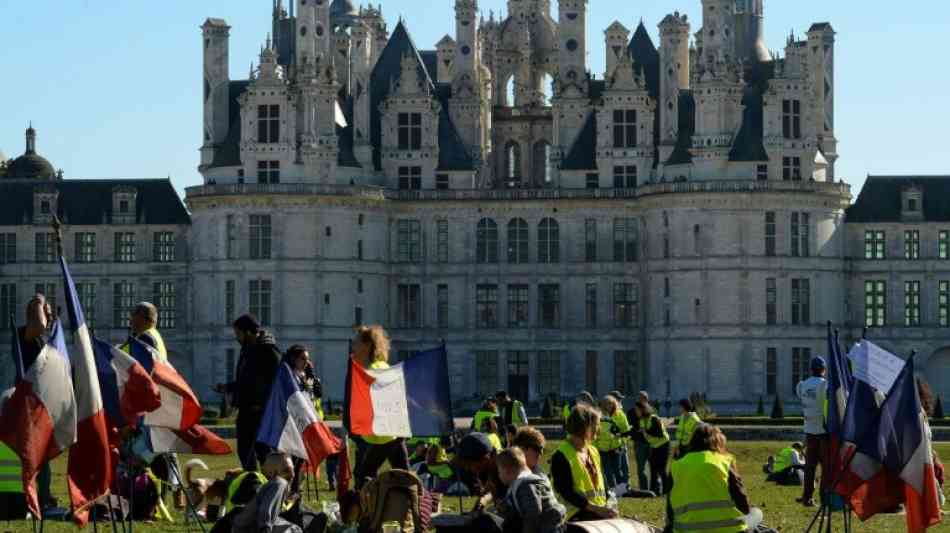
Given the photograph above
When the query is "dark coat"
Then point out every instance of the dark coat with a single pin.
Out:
(255, 373)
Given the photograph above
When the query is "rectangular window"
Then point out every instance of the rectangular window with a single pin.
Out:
(943, 245)
(166, 301)
(666, 247)
(408, 241)
(666, 287)
(592, 181)
(123, 298)
(943, 304)
(875, 303)
(801, 302)
(626, 305)
(8, 303)
(590, 308)
(770, 234)
(875, 244)
(801, 359)
(912, 304)
(771, 302)
(7, 248)
(771, 371)
(486, 306)
(590, 240)
(87, 299)
(230, 303)
(409, 306)
(357, 316)
(792, 119)
(549, 306)
(85, 247)
(359, 286)
(486, 372)
(517, 306)
(762, 172)
(359, 250)
(45, 250)
(912, 244)
(792, 168)
(625, 240)
(442, 241)
(260, 236)
(163, 247)
(410, 178)
(268, 123)
(549, 373)
(800, 234)
(260, 305)
(626, 370)
(625, 177)
(268, 172)
(125, 247)
(591, 371)
(442, 182)
(442, 306)
(231, 237)
(625, 128)
(49, 291)
(410, 131)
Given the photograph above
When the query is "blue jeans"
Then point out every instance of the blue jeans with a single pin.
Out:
(610, 463)
(642, 451)
(624, 465)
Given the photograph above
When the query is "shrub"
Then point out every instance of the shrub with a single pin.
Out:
(760, 409)
(778, 410)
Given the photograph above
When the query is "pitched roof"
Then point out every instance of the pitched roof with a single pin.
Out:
(646, 59)
(453, 154)
(748, 144)
(582, 156)
(880, 199)
(430, 58)
(386, 71)
(88, 202)
(228, 153)
(687, 126)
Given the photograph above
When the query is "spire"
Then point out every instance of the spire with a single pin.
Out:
(30, 139)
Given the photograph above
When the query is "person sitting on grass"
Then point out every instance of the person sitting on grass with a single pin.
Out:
(263, 512)
(531, 441)
(438, 467)
(576, 469)
(420, 450)
(475, 455)
(530, 506)
(787, 467)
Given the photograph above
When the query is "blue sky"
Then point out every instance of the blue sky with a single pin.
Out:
(114, 88)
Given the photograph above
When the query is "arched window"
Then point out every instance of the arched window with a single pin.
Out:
(548, 241)
(509, 93)
(542, 163)
(486, 241)
(547, 89)
(517, 241)
(513, 163)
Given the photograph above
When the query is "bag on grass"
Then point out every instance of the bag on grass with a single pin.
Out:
(394, 496)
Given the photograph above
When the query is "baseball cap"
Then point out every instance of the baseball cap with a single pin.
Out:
(617, 394)
(818, 363)
(474, 446)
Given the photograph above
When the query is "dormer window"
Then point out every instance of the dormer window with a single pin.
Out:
(123, 205)
(44, 205)
(912, 200)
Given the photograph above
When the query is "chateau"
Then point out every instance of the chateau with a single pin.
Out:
(673, 224)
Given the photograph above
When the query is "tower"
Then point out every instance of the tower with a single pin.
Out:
(674, 77)
(313, 31)
(616, 37)
(750, 32)
(446, 52)
(821, 61)
(718, 32)
(571, 94)
(466, 36)
(468, 107)
(216, 35)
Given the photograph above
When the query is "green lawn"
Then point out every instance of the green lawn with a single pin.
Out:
(778, 503)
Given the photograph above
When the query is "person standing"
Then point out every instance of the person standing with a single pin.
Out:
(688, 422)
(512, 411)
(620, 418)
(609, 442)
(812, 392)
(298, 359)
(640, 447)
(652, 432)
(576, 470)
(371, 351)
(489, 409)
(250, 390)
(143, 323)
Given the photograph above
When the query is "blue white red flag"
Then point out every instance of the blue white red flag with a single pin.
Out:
(89, 470)
(839, 389)
(290, 422)
(38, 421)
(128, 392)
(180, 408)
(411, 399)
(196, 440)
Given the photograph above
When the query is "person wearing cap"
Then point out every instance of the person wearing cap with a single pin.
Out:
(787, 467)
(512, 411)
(621, 421)
(476, 456)
(143, 323)
(812, 393)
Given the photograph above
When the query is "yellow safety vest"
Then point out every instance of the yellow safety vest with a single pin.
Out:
(516, 408)
(583, 484)
(783, 460)
(654, 442)
(620, 419)
(11, 471)
(318, 407)
(480, 418)
(159, 344)
(700, 496)
(566, 412)
(373, 439)
(495, 441)
(686, 427)
(441, 471)
(606, 441)
(236, 485)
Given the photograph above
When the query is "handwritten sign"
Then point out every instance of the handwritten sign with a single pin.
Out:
(390, 408)
(875, 366)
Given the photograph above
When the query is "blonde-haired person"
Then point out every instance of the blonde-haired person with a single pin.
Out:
(609, 441)
(576, 470)
(371, 351)
(650, 430)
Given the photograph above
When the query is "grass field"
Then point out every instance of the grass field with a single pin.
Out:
(778, 503)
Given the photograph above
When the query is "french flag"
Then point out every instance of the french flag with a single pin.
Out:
(900, 442)
(89, 470)
(196, 440)
(839, 389)
(290, 423)
(411, 399)
(179, 408)
(38, 421)
(128, 392)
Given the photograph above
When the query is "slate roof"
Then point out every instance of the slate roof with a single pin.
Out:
(228, 153)
(581, 156)
(286, 41)
(88, 202)
(748, 144)
(880, 199)
(453, 155)
(430, 59)
(687, 127)
(646, 59)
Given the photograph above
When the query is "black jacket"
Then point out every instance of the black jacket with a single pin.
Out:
(255, 374)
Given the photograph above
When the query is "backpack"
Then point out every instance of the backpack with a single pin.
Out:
(393, 496)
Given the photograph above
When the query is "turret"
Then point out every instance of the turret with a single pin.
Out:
(616, 37)
(674, 77)
(466, 37)
(821, 61)
(215, 35)
(718, 32)
(341, 59)
(750, 32)
(572, 38)
(446, 50)
(313, 31)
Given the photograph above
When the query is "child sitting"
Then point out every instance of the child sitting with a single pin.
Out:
(786, 468)
(530, 506)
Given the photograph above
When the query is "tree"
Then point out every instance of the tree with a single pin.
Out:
(778, 410)
(938, 409)
(760, 409)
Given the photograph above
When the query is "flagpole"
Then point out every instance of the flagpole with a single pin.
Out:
(173, 470)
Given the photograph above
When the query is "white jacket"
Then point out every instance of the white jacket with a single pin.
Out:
(812, 393)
